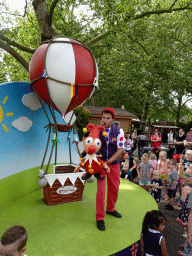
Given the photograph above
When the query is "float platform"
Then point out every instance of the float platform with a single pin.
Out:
(70, 229)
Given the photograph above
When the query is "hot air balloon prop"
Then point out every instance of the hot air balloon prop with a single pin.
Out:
(64, 75)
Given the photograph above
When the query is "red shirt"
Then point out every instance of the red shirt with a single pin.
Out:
(156, 143)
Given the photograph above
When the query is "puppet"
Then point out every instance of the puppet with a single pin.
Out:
(92, 164)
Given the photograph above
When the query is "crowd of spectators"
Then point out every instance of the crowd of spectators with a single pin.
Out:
(162, 171)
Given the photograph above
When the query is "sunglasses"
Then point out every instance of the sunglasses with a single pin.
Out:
(187, 175)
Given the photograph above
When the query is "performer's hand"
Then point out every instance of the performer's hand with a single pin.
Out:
(106, 167)
(76, 169)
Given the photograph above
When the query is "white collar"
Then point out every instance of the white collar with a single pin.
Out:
(154, 230)
(91, 158)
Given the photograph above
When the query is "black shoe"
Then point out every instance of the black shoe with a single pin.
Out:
(169, 207)
(101, 225)
(115, 214)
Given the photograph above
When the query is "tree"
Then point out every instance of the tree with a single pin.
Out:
(133, 44)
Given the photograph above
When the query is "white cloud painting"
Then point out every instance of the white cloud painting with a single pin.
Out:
(22, 124)
(31, 101)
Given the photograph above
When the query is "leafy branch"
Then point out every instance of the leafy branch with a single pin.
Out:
(18, 46)
(53, 5)
(173, 4)
(181, 54)
(15, 54)
(136, 17)
(16, 14)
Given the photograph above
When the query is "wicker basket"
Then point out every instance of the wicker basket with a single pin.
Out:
(63, 127)
(58, 194)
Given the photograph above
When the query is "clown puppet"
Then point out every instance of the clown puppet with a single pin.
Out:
(92, 164)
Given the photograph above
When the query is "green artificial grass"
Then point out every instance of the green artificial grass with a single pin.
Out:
(19, 184)
(70, 229)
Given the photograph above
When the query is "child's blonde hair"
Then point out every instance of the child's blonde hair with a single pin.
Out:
(145, 155)
(162, 153)
(153, 157)
(156, 172)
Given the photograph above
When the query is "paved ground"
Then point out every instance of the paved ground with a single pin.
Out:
(174, 230)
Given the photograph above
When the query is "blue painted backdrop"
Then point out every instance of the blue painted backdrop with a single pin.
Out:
(22, 135)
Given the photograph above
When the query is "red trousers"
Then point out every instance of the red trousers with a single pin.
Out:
(113, 181)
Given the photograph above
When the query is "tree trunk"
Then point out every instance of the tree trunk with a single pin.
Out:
(179, 109)
(145, 110)
(44, 20)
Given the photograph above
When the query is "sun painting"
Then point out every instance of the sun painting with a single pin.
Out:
(7, 114)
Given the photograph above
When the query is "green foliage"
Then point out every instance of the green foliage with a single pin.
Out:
(186, 126)
(144, 63)
(82, 121)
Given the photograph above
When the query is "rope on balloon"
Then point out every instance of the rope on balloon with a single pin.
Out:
(78, 42)
(55, 126)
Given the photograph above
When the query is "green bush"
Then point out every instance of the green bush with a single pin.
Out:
(186, 126)
(82, 121)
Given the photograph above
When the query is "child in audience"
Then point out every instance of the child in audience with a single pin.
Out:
(187, 189)
(153, 160)
(163, 168)
(156, 185)
(187, 161)
(145, 172)
(181, 180)
(186, 204)
(152, 241)
(125, 165)
(172, 185)
(128, 167)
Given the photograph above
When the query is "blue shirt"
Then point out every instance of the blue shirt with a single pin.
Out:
(154, 190)
(173, 175)
(152, 242)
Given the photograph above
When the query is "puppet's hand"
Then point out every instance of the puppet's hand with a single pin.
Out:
(77, 168)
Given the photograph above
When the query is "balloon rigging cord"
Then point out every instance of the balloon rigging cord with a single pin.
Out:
(54, 126)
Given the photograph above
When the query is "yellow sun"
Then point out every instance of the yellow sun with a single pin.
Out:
(7, 114)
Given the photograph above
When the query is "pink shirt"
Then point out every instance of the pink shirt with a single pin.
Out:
(153, 163)
(163, 167)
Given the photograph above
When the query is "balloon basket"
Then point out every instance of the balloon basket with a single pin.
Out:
(64, 186)
(63, 127)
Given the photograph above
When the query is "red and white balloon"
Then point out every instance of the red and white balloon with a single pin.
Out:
(63, 64)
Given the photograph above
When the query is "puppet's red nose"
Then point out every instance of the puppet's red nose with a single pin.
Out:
(91, 149)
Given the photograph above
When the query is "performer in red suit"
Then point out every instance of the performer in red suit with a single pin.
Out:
(111, 149)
